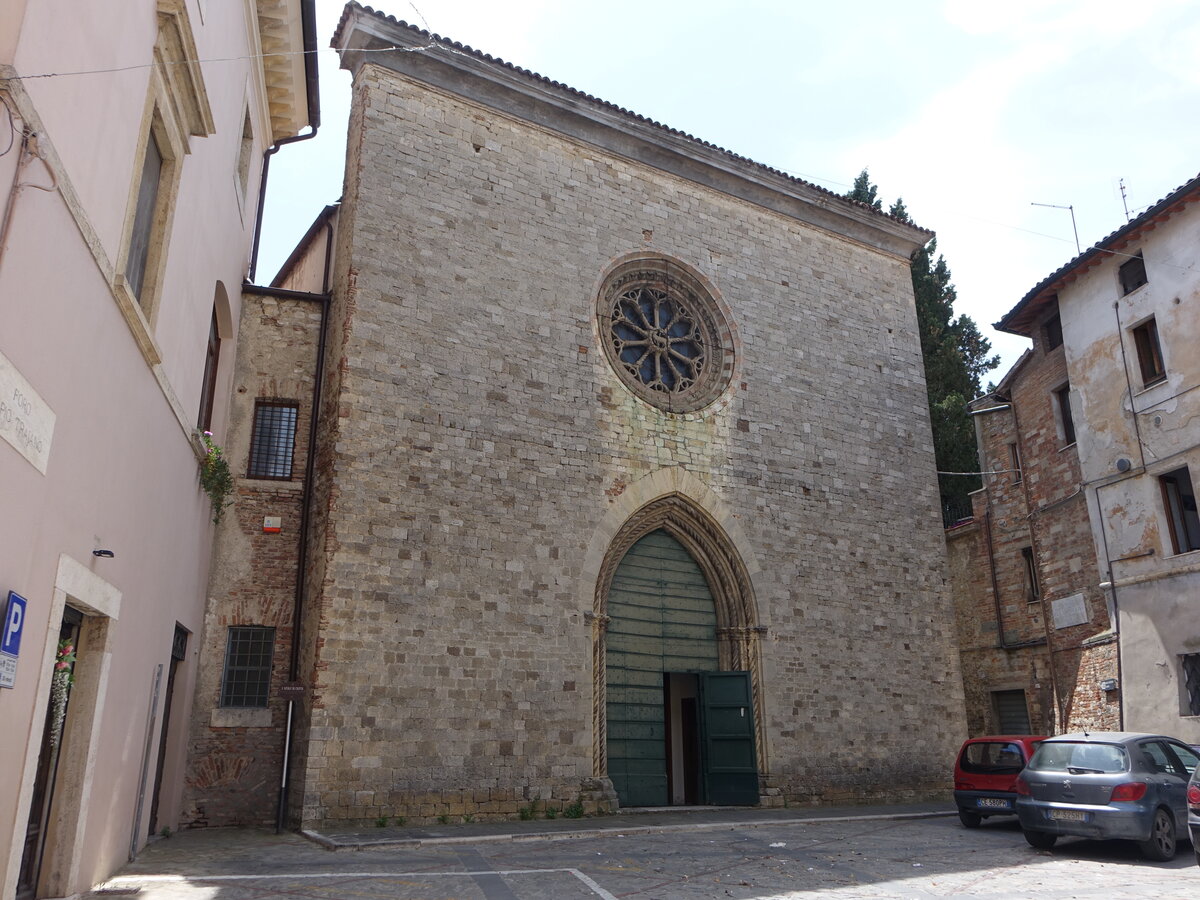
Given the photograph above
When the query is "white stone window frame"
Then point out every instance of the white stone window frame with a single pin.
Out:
(176, 109)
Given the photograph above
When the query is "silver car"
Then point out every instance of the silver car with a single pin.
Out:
(1107, 785)
(1193, 801)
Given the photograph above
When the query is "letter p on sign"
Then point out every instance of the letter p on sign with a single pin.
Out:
(14, 619)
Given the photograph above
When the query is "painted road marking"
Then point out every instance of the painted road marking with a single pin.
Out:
(135, 880)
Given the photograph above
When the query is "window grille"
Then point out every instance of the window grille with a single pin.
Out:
(247, 678)
(273, 440)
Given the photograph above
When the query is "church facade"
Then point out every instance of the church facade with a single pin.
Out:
(622, 488)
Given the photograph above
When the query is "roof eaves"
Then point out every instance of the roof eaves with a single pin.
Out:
(1018, 319)
(437, 41)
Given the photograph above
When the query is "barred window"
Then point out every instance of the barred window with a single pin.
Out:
(273, 440)
(247, 678)
(1190, 662)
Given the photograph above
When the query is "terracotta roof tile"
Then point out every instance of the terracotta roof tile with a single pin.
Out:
(438, 40)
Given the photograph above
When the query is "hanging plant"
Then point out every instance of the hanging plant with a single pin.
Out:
(215, 477)
(60, 687)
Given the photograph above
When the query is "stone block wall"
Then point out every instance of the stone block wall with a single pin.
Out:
(477, 437)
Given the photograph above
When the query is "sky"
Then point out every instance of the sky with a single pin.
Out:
(971, 111)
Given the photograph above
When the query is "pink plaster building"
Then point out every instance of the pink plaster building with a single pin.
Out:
(132, 142)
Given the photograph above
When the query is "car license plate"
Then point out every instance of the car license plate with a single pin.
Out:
(1068, 815)
(993, 803)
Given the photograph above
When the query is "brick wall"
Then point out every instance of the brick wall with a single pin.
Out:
(235, 754)
(1042, 509)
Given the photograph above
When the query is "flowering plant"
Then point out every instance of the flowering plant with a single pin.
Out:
(60, 687)
(215, 477)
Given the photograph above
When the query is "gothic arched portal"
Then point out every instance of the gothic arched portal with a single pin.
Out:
(674, 601)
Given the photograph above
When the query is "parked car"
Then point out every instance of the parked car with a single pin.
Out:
(985, 774)
(1193, 816)
(1107, 785)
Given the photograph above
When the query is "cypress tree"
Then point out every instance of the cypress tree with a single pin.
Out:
(956, 357)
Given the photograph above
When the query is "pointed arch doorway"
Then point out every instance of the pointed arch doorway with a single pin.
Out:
(678, 718)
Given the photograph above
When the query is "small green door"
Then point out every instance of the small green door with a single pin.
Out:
(727, 734)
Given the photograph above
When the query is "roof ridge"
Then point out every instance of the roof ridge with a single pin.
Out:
(458, 47)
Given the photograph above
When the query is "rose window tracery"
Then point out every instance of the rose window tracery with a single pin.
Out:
(665, 338)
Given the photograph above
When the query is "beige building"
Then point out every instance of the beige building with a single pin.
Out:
(622, 489)
(132, 138)
(1127, 310)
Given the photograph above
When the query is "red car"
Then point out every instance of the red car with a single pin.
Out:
(985, 775)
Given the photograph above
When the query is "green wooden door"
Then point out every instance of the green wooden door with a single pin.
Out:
(727, 734)
(661, 619)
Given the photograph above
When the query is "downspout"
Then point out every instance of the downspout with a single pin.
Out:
(306, 504)
(1002, 641)
(309, 24)
(1116, 608)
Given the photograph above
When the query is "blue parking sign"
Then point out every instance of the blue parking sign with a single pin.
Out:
(14, 620)
(10, 638)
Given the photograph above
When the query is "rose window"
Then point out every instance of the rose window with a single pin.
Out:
(664, 339)
(657, 340)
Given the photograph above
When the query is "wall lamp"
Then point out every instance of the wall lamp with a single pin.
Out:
(104, 554)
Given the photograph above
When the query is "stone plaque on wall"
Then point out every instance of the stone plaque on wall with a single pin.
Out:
(26, 421)
(1069, 611)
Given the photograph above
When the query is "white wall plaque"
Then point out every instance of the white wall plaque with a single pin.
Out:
(26, 421)
(1069, 611)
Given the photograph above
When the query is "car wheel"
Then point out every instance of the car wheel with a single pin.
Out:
(1161, 845)
(1040, 840)
(969, 819)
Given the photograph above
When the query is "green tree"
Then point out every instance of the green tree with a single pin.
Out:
(956, 357)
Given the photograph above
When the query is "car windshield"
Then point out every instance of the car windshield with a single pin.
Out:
(992, 758)
(1080, 758)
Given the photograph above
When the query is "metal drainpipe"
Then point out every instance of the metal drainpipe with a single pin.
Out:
(1116, 607)
(1031, 513)
(305, 520)
(1002, 641)
(14, 190)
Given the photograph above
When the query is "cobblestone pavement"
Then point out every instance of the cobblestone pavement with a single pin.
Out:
(756, 858)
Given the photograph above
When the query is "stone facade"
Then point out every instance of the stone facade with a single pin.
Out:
(1048, 636)
(481, 468)
(237, 752)
(1127, 308)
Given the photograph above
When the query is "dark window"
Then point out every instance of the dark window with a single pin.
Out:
(1145, 338)
(1032, 591)
(1062, 398)
(1012, 714)
(1186, 756)
(1014, 462)
(993, 757)
(208, 387)
(1179, 501)
(1132, 274)
(273, 439)
(1190, 662)
(1052, 331)
(143, 217)
(247, 678)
